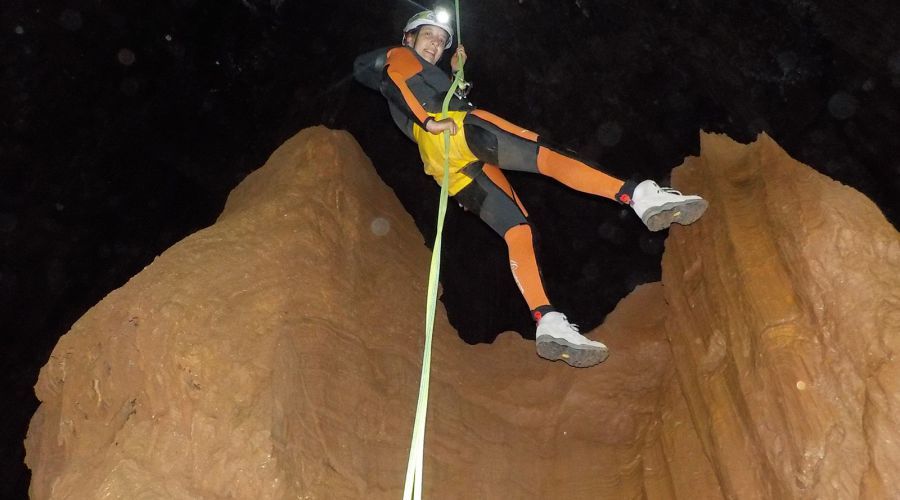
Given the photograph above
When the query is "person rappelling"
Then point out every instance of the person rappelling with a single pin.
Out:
(482, 145)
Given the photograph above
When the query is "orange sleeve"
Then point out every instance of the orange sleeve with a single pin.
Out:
(401, 66)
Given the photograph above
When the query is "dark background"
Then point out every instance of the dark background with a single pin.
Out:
(126, 124)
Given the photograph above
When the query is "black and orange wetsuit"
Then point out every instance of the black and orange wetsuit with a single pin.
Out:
(484, 145)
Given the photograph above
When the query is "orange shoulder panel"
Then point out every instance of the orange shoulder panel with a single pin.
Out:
(402, 66)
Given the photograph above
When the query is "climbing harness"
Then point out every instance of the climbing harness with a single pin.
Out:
(413, 486)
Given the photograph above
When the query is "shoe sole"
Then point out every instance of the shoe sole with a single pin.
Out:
(680, 212)
(578, 356)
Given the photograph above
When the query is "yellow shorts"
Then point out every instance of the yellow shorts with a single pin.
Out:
(431, 148)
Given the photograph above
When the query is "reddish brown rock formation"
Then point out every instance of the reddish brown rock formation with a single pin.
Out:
(250, 360)
(784, 322)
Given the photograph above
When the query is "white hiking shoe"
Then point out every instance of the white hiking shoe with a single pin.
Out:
(659, 207)
(558, 339)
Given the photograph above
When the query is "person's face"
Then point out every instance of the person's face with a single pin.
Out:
(429, 43)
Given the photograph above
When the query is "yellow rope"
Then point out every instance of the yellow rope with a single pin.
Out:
(413, 486)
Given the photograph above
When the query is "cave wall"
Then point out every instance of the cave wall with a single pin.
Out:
(276, 354)
(784, 321)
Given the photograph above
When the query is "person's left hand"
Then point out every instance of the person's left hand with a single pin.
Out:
(459, 57)
(437, 127)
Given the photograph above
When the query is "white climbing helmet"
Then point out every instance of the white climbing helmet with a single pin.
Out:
(439, 18)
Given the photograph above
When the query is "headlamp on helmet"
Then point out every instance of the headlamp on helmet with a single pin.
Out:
(442, 16)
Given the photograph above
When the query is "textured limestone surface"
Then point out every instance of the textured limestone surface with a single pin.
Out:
(785, 323)
(276, 354)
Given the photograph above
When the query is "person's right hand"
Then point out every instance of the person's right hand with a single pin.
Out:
(458, 58)
(438, 126)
